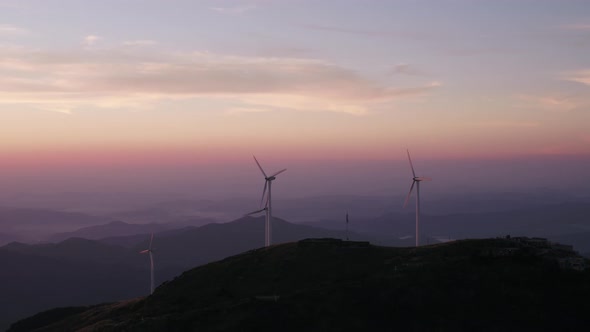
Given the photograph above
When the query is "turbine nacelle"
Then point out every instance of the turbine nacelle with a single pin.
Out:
(256, 212)
(267, 180)
(266, 177)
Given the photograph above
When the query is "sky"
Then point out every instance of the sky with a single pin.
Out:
(94, 94)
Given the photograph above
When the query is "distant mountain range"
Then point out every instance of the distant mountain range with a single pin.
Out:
(80, 271)
(331, 285)
(34, 225)
(115, 228)
(92, 253)
(381, 215)
(42, 219)
(565, 222)
(196, 212)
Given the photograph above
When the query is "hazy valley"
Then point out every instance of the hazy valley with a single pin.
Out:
(78, 265)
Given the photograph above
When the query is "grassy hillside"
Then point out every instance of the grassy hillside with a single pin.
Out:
(471, 285)
(80, 272)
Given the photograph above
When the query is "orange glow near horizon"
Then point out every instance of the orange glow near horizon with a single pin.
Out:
(176, 156)
(159, 138)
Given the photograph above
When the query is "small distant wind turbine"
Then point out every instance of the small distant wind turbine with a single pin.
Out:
(268, 206)
(150, 251)
(346, 225)
(415, 181)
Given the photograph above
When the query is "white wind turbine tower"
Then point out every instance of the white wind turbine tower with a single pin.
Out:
(150, 252)
(265, 220)
(268, 206)
(415, 181)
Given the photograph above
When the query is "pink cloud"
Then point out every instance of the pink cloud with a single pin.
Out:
(550, 102)
(9, 29)
(580, 76)
(130, 78)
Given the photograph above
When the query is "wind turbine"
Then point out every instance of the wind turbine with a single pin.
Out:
(268, 206)
(415, 181)
(346, 225)
(150, 251)
(265, 217)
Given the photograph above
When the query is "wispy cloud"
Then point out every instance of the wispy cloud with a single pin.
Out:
(62, 109)
(140, 42)
(581, 26)
(234, 10)
(580, 76)
(9, 29)
(549, 102)
(477, 51)
(366, 32)
(91, 40)
(135, 78)
(345, 30)
(406, 69)
(242, 110)
(505, 124)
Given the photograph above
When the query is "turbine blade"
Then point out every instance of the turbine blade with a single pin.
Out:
(144, 251)
(424, 178)
(151, 240)
(263, 192)
(257, 163)
(411, 165)
(279, 172)
(255, 212)
(409, 193)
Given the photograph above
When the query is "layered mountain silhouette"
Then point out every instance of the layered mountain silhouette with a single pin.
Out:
(115, 228)
(564, 222)
(195, 212)
(37, 224)
(334, 285)
(79, 271)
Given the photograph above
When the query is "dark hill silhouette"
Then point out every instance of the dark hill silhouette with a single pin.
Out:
(330, 285)
(99, 264)
(193, 246)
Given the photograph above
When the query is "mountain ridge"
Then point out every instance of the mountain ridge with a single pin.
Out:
(335, 285)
